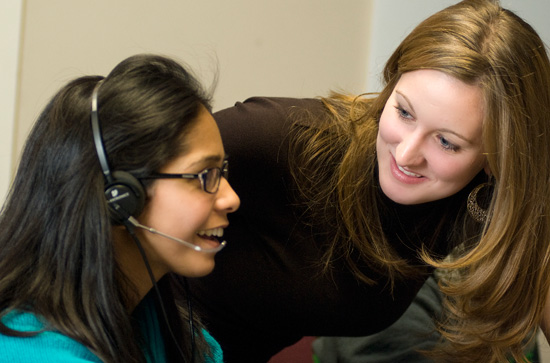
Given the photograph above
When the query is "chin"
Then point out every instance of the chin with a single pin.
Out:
(401, 196)
(197, 270)
(392, 193)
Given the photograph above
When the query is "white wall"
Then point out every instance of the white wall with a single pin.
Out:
(394, 19)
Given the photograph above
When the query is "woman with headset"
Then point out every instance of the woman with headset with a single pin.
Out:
(122, 182)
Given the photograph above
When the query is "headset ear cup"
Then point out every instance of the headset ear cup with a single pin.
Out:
(125, 197)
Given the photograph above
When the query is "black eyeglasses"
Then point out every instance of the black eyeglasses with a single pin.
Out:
(210, 178)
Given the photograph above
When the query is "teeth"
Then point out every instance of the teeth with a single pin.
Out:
(408, 172)
(216, 232)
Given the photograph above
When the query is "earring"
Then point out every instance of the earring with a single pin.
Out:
(476, 212)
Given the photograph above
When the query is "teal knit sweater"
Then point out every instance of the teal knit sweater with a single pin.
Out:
(46, 347)
(51, 346)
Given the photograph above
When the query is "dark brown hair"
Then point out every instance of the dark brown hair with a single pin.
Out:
(56, 248)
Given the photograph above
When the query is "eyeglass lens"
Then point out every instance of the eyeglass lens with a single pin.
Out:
(212, 177)
(212, 180)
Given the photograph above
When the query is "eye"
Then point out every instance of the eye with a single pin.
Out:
(402, 113)
(445, 144)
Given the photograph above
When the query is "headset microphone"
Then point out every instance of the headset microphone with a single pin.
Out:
(135, 223)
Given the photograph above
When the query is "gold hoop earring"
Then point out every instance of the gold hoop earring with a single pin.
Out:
(476, 212)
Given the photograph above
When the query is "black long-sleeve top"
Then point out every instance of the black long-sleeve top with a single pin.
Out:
(268, 288)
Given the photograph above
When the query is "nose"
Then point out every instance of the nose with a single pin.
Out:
(409, 151)
(227, 200)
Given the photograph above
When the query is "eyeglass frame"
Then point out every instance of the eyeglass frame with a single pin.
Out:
(224, 173)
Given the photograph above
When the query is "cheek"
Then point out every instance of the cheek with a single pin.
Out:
(388, 129)
(171, 209)
(183, 216)
(456, 171)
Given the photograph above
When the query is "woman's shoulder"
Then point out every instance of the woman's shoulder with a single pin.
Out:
(259, 125)
(45, 346)
(267, 111)
(23, 321)
(281, 105)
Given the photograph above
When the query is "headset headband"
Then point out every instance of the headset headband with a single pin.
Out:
(98, 139)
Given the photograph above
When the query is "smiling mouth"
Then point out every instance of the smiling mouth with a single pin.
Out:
(408, 173)
(214, 234)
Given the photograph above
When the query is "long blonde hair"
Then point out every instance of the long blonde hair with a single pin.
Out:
(497, 301)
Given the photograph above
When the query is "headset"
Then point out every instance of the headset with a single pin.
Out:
(126, 198)
(125, 194)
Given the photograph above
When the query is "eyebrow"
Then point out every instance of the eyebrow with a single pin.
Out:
(409, 104)
(458, 135)
(406, 99)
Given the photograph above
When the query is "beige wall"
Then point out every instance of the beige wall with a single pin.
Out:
(283, 47)
(277, 48)
(10, 26)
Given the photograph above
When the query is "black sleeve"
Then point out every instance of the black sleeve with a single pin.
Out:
(402, 342)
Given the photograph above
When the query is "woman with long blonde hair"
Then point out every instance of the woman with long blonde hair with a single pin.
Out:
(349, 202)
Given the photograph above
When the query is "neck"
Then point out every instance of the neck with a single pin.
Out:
(133, 267)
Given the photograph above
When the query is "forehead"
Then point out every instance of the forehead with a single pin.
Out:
(204, 137)
(443, 100)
